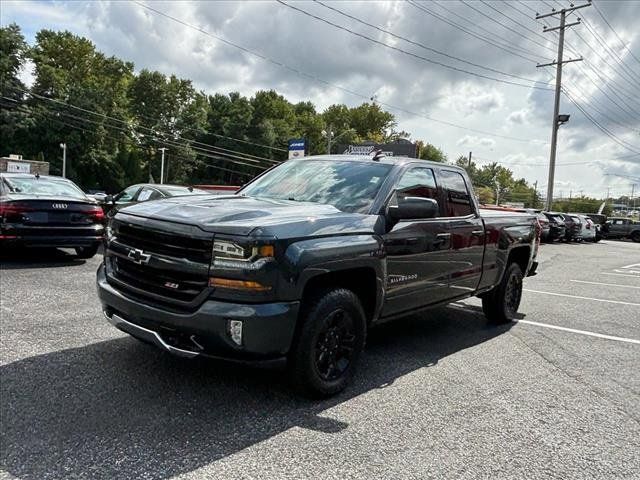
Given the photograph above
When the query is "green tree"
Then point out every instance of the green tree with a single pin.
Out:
(371, 122)
(168, 112)
(427, 151)
(14, 118)
(68, 69)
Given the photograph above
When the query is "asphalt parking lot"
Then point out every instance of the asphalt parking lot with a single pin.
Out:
(440, 395)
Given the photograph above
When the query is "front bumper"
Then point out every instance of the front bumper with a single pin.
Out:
(267, 328)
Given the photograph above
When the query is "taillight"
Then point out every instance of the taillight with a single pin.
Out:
(96, 213)
(13, 209)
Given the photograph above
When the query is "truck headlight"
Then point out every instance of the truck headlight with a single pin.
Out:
(227, 254)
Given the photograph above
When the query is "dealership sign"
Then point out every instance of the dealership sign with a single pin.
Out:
(18, 167)
(364, 150)
(297, 147)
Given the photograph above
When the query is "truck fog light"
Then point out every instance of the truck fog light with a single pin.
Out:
(235, 331)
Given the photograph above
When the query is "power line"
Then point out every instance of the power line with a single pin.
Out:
(511, 49)
(198, 150)
(628, 79)
(325, 82)
(153, 131)
(625, 46)
(611, 135)
(506, 26)
(589, 103)
(405, 52)
(78, 127)
(418, 44)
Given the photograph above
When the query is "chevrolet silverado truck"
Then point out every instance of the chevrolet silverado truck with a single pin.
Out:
(297, 265)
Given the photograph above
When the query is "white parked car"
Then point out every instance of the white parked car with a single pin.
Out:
(589, 229)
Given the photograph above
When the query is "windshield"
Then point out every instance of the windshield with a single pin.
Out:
(43, 186)
(175, 191)
(348, 186)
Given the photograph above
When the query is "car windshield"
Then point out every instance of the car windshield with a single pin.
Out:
(347, 185)
(175, 191)
(43, 186)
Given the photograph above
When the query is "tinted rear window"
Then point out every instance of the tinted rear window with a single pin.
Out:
(43, 186)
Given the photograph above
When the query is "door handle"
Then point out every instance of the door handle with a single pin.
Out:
(442, 240)
(478, 233)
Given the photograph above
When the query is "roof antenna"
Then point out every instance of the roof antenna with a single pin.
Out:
(377, 155)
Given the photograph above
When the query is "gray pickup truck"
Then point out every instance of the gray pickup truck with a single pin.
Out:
(299, 263)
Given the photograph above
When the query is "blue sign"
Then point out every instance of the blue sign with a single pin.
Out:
(297, 147)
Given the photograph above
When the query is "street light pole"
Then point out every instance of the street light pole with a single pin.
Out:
(63, 146)
(163, 149)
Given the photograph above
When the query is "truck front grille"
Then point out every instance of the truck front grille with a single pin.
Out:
(173, 286)
(165, 243)
(160, 267)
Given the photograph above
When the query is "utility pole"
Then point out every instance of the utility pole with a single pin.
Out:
(469, 160)
(557, 121)
(63, 146)
(163, 149)
(497, 192)
(535, 194)
(329, 134)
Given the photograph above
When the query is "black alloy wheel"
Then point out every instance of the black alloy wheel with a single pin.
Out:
(335, 344)
(330, 339)
(501, 304)
(513, 293)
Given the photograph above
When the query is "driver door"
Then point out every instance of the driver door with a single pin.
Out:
(417, 250)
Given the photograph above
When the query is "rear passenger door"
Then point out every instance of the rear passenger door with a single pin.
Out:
(465, 226)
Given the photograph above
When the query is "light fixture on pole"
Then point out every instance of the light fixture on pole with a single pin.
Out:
(329, 136)
(63, 146)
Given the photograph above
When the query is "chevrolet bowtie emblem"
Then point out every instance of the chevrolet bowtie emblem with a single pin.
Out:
(138, 256)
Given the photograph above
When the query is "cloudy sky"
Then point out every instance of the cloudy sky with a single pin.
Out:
(459, 74)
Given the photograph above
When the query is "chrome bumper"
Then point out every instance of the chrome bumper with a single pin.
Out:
(147, 335)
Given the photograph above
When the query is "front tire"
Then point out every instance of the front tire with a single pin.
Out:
(86, 252)
(501, 304)
(635, 236)
(329, 343)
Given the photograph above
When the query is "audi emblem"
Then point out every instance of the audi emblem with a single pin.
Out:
(59, 205)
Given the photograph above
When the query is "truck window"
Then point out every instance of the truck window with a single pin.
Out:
(418, 182)
(458, 199)
(148, 194)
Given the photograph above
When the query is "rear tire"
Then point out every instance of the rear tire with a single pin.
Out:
(86, 252)
(328, 344)
(501, 304)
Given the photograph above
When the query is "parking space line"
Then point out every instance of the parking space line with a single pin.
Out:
(582, 298)
(621, 274)
(581, 332)
(606, 284)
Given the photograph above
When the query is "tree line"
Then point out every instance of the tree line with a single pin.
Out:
(114, 120)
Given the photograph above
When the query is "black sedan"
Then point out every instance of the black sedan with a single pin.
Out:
(47, 211)
(144, 192)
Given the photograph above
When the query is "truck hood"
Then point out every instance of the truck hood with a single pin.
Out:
(240, 215)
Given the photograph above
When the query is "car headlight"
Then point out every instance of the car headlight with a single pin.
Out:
(227, 254)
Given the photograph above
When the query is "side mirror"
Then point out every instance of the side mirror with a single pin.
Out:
(413, 208)
(108, 199)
